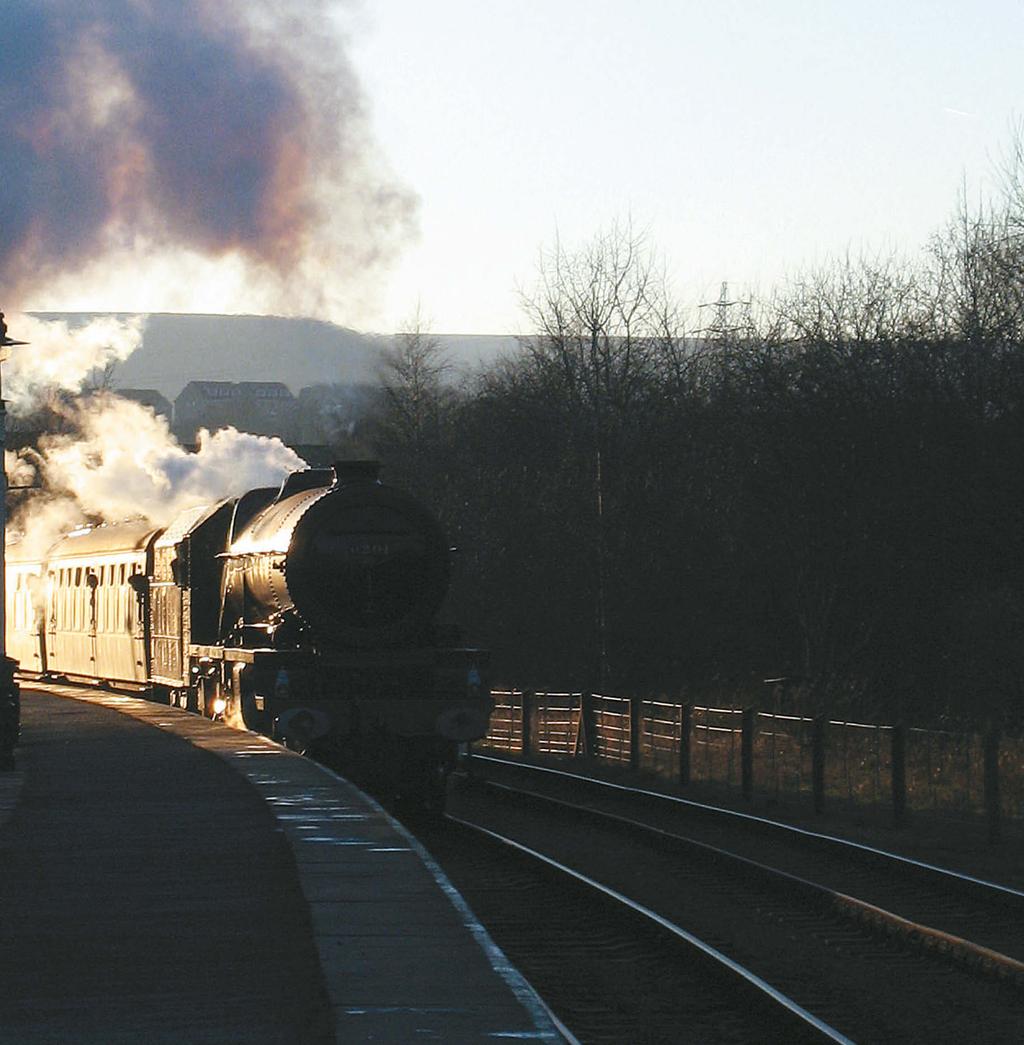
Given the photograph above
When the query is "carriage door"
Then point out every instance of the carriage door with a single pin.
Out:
(139, 624)
(53, 597)
(91, 585)
(165, 615)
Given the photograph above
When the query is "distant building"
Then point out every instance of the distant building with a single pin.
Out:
(159, 404)
(259, 407)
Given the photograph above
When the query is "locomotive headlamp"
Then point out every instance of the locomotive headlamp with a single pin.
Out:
(220, 705)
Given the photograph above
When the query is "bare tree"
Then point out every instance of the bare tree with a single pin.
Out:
(101, 379)
(978, 275)
(856, 301)
(603, 320)
(603, 332)
(412, 376)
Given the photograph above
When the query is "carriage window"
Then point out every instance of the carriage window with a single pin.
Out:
(78, 576)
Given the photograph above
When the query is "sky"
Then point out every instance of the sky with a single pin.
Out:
(749, 139)
(359, 160)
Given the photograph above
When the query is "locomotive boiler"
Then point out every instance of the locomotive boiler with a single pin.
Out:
(308, 612)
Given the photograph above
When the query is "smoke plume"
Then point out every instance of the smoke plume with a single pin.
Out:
(168, 149)
(169, 141)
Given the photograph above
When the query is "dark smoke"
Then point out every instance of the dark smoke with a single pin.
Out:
(215, 126)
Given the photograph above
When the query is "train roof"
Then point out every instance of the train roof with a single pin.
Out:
(187, 521)
(104, 540)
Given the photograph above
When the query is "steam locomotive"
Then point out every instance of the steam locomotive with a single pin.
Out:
(307, 612)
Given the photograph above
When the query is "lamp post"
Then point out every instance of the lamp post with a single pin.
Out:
(10, 696)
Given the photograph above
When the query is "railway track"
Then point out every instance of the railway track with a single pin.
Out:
(988, 915)
(612, 970)
(880, 948)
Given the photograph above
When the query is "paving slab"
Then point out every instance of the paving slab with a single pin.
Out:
(151, 892)
(146, 894)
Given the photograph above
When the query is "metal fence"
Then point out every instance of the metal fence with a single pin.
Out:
(783, 746)
(660, 733)
(789, 757)
(555, 723)
(505, 732)
(715, 746)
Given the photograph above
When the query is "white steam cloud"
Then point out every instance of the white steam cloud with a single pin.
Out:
(114, 459)
(62, 357)
(124, 463)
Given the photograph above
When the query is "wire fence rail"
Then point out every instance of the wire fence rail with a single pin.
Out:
(899, 768)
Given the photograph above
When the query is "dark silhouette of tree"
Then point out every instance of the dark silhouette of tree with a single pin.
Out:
(826, 485)
(603, 333)
(414, 407)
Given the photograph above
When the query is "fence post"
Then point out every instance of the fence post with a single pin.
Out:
(635, 723)
(685, 730)
(818, 762)
(588, 724)
(747, 752)
(898, 759)
(527, 722)
(992, 802)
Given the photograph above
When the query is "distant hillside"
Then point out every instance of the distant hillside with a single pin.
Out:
(178, 348)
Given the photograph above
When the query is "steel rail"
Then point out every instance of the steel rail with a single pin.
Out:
(1004, 891)
(808, 1019)
(942, 943)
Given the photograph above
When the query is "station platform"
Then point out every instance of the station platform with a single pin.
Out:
(164, 878)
